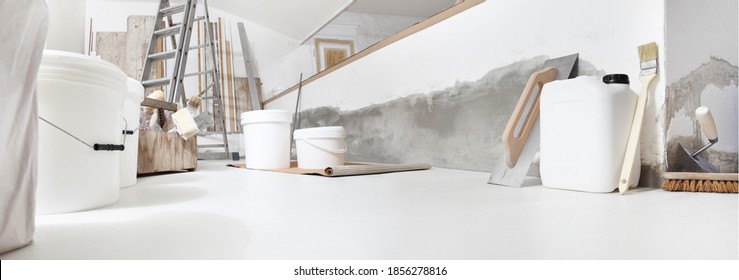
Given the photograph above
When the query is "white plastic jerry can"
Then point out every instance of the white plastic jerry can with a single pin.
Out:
(585, 124)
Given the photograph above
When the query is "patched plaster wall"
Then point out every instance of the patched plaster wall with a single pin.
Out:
(701, 68)
(456, 127)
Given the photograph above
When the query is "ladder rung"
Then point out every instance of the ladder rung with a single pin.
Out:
(172, 30)
(198, 18)
(202, 45)
(156, 82)
(173, 9)
(211, 146)
(198, 73)
(163, 55)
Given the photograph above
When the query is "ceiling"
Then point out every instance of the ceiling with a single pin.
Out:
(301, 19)
(414, 8)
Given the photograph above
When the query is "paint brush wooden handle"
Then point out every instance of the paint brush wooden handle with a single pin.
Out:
(633, 141)
(514, 139)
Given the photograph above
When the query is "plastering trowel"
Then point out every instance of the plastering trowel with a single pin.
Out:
(705, 119)
(521, 135)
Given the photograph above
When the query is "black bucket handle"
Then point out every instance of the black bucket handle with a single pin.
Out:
(96, 146)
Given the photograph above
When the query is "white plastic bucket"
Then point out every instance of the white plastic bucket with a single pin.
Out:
(267, 138)
(320, 147)
(83, 96)
(131, 114)
(585, 125)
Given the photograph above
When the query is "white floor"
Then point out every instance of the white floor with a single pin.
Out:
(219, 212)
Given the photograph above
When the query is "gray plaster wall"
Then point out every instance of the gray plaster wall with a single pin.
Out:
(708, 85)
(701, 70)
(458, 127)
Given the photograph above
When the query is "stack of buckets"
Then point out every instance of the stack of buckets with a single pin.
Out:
(91, 100)
(267, 142)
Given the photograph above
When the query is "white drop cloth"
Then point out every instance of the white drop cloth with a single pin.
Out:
(23, 26)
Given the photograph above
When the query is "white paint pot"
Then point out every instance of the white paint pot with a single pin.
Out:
(131, 115)
(80, 97)
(267, 138)
(320, 147)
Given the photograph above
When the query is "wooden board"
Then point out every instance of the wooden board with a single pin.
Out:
(108, 47)
(163, 151)
(242, 97)
(139, 31)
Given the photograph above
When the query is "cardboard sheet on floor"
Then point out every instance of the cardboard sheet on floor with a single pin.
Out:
(348, 169)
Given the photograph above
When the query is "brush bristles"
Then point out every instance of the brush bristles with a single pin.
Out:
(648, 52)
(686, 185)
(194, 102)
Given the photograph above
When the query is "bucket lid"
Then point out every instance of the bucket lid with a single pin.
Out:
(260, 116)
(135, 90)
(320, 132)
(74, 67)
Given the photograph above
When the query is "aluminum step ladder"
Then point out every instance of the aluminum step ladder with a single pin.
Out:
(179, 34)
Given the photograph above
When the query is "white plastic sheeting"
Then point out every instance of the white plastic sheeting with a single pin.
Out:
(23, 26)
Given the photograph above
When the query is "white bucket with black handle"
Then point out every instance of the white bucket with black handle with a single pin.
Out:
(81, 135)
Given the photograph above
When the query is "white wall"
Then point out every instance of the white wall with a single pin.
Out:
(700, 29)
(494, 34)
(66, 25)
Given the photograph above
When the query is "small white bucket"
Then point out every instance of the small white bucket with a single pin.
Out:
(320, 147)
(267, 138)
(131, 114)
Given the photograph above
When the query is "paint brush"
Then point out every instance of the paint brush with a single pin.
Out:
(648, 64)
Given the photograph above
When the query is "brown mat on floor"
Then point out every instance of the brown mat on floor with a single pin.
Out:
(348, 169)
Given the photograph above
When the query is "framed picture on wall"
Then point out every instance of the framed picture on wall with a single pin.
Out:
(330, 52)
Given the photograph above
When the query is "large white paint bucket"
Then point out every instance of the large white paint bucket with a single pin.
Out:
(320, 147)
(131, 115)
(267, 139)
(80, 100)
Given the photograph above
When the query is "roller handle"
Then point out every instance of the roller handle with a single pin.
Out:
(705, 119)
(512, 143)
(108, 147)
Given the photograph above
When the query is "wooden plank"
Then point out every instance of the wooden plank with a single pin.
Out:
(251, 74)
(163, 151)
(89, 41)
(200, 67)
(242, 96)
(139, 30)
(148, 102)
(231, 107)
(108, 47)
(218, 125)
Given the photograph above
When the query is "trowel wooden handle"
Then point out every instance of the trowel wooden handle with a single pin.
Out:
(705, 119)
(528, 106)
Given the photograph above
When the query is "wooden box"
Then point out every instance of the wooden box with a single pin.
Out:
(162, 152)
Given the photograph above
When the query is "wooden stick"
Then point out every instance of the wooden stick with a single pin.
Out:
(89, 43)
(220, 64)
(200, 68)
(230, 96)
